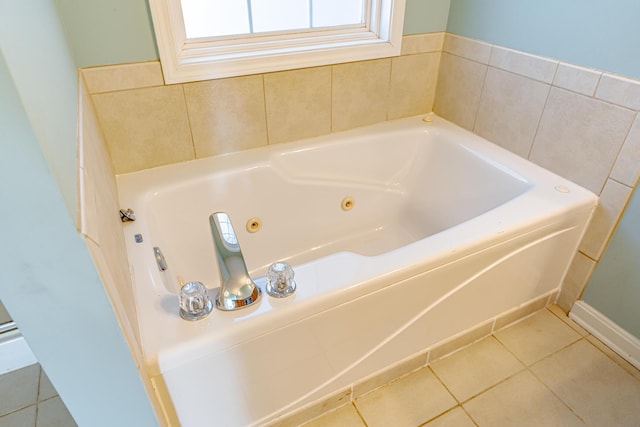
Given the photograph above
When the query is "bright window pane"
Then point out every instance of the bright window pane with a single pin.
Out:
(329, 13)
(277, 15)
(210, 18)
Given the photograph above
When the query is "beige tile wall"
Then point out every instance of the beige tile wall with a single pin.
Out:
(147, 123)
(580, 123)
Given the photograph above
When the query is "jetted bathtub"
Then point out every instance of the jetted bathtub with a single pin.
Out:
(401, 235)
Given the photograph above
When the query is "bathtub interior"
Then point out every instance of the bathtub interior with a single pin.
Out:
(410, 189)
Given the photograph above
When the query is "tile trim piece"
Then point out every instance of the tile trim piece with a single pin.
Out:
(619, 90)
(472, 49)
(421, 43)
(607, 331)
(523, 63)
(578, 79)
(112, 78)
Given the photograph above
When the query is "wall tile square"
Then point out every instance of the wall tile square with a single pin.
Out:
(422, 43)
(359, 93)
(510, 110)
(459, 88)
(19, 388)
(467, 48)
(413, 85)
(577, 79)
(145, 128)
(619, 90)
(226, 115)
(579, 137)
(525, 64)
(575, 281)
(298, 103)
(612, 201)
(627, 167)
(123, 76)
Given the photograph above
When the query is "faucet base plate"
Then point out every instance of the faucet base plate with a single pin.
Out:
(227, 304)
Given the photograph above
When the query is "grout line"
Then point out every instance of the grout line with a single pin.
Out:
(482, 93)
(265, 109)
(353, 404)
(617, 157)
(535, 134)
(186, 107)
(559, 398)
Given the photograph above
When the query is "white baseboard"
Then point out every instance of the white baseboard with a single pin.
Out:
(14, 352)
(607, 331)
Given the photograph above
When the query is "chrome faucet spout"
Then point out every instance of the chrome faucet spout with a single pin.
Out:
(237, 290)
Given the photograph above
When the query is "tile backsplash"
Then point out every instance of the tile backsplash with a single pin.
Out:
(578, 122)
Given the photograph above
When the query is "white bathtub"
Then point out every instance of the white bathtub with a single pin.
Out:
(446, 231)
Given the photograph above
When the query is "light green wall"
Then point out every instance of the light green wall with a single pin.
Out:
(614, 288)
(594, 33)
(102, 32)
(426, 16)
(42, 69)
(47, 280)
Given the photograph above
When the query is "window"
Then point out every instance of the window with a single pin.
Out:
(206, 39)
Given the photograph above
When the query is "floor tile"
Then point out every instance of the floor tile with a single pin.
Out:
(635, 372)
(594, 386)
(560, 314)
(408, 401)
(456, 417)
(344, 416)
(23, 418)
(537, 336)
(520, 401)
(53, 413)
(19, 388)
(473, 369)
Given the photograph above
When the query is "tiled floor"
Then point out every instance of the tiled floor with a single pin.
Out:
(28, 399)
(542, 371)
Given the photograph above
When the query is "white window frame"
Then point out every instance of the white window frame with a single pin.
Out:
(185, 60)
